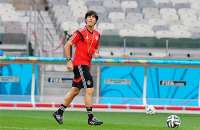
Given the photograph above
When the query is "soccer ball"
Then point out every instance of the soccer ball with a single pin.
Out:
(173, 121)
(150, 109)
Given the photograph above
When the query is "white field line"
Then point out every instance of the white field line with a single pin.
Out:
(103, 110)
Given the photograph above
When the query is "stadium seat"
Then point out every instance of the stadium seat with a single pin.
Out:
(116, 16)
(183, 34)
(151, 13)
(180, 4)
(173, 34)
(123, 25)
(111, 32)
(99, 9)
(57, 2)
(69, 26)
(111, 4)
(195, 5)
(185, 13)
(126, 32)
(164, 34)
(144, 30)
(163, 3)
(146, 4)
(90, 3)
(133, 18)
(60, 8)
(178, 27)
(129, 5)
(157, 21)
(158, 24)
(188, 17)
(169, 15)
(156, 28)
(106, 26)
(136, 33)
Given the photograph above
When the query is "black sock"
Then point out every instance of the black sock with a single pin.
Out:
(61, 109)
(89, 111)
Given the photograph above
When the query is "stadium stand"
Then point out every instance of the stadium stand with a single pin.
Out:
(12, 34)
(165, 12)
(119, 19)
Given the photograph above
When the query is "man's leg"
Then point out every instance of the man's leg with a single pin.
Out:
(73, 92)
(88, 101)
(58, 115)
(88, 104)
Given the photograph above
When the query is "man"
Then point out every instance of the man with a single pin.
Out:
(86, 40)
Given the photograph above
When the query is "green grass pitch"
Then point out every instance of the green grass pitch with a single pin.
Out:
(43, 120)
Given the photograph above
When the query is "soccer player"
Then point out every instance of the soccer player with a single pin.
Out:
(86, 40)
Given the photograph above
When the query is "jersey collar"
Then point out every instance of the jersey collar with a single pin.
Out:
(89, 31)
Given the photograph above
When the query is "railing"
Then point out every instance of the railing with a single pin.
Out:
(106, 61)
(182, 63)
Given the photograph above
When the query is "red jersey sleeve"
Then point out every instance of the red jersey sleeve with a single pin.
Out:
(76, 37)
(98, 42)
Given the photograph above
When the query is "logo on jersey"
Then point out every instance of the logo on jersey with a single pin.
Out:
(89, 82)
(96, 38)
(87, 37)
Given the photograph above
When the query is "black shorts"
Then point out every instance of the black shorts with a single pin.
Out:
(82, 77)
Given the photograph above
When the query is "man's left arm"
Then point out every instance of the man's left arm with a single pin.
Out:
(96, 54)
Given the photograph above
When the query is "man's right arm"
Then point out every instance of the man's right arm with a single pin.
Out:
(68, 46)
(72, 41)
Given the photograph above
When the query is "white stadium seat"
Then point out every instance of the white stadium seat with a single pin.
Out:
(129, 4)
(116, 16)
(105, 26)
(123, 25)
(163, 3)
(169, 15)
(151, 13)
(111, 4)
(164, 34)
(127, 32)
(133, 18)
(70, 26)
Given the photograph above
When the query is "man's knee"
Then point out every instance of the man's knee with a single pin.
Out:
(89, 91)
(74, 91)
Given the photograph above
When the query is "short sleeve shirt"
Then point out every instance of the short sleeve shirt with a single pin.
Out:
(86, 43)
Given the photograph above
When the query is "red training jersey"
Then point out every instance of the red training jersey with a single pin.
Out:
(86, 43)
